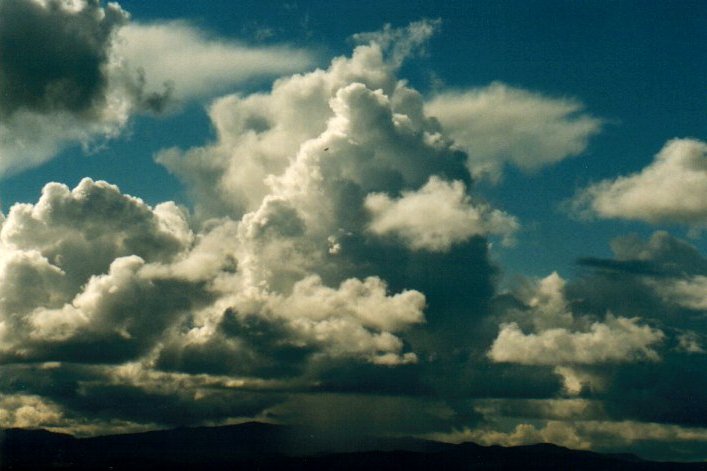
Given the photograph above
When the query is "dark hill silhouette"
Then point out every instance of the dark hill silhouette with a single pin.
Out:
(266, 446)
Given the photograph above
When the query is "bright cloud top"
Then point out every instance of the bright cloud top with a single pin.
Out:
(436, 217)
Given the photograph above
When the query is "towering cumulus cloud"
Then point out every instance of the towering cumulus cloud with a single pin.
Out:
(72, 72)
(303, 272)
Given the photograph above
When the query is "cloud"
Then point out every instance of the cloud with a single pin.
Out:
(71, 273)
(594, 434)
(560, 338)
(152, 305)
(27, 412)
(306, 276)
(75, 72)
(616, 340)
(195, 64)
(437, 216)
(55, 78)
(54, 56)
(356, 109)
(689, 292)
(500, 125)
(401, 43)
(669, 190)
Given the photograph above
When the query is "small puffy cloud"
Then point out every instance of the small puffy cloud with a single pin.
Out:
(401, 43)
(437, 216)
(500, 125)
(357, 319)
(196, 65)
(615, 340)
(672, 189)
(688, 292)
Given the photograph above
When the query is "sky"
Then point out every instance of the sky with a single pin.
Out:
(467, 221)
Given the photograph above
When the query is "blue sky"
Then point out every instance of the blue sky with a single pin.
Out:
(549, 136)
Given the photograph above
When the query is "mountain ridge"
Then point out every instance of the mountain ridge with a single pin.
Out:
(270, 446)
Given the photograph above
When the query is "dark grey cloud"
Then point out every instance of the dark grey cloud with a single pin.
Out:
(53, 58)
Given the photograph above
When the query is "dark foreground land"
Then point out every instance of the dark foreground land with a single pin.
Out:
(265, 446)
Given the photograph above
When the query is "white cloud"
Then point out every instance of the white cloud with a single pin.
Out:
(672, 189)
(435, 217)
(81, 231)
(688, 292)
(500, 125)
(616, 340)
(557, 432)
(197, 64)
(559, 338)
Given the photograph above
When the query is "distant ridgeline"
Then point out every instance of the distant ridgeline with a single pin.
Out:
(266, 446)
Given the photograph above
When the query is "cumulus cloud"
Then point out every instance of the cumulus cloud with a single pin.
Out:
(671, 189)
(75, 72)
(436, 217)
(559, 338)
(277, 284)
(54, 55)
(70, 268)
(690, 292)
(615, 340)
(373, 128)
(500, 125)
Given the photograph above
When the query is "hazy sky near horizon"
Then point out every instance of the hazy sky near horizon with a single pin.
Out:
(465, 220)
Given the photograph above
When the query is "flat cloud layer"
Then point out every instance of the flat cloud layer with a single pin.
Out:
(671, 189)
